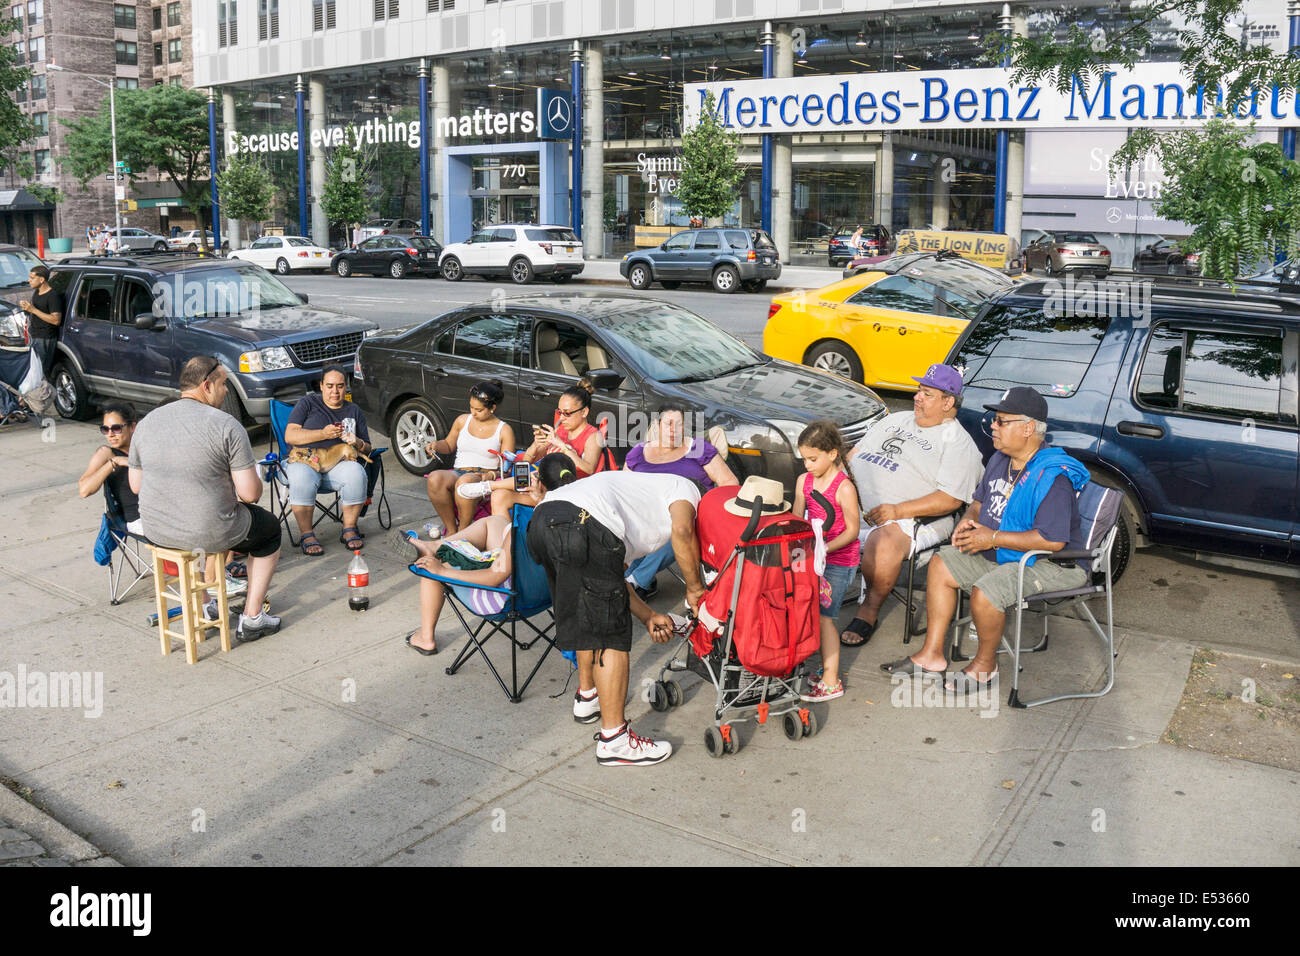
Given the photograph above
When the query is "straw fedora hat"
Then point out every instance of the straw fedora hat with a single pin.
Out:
(754, 488)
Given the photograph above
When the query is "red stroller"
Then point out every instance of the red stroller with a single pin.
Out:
(757, 622)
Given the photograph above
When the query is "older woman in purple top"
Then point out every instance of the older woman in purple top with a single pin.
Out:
(668, 452)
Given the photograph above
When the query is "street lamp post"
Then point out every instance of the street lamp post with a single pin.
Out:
(112, 122)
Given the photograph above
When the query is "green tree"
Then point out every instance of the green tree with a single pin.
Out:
(245, 189)
(711, 173)
(1240, 197)
(163, 128)
(16, 129)
(344, 196)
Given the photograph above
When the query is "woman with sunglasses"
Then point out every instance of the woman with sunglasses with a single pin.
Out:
(479, 439)
(109, 464)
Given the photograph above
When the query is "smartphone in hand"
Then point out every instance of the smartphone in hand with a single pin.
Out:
(520, 471)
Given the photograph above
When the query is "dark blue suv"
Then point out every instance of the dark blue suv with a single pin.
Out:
(1182, 393)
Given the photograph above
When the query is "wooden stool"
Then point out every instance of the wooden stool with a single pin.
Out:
(183, 568)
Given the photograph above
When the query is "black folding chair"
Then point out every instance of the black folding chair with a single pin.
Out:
(914, 624)
(1098, 522)
(133, 562)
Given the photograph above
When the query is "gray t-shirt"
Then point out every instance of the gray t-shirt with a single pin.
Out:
(897, 460)
(186, 451)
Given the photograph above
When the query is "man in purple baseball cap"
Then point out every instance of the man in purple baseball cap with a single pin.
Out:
(913, 470)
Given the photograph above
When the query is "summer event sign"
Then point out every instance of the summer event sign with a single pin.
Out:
(1150, 94)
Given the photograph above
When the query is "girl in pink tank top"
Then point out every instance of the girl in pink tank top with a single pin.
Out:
(822, 448)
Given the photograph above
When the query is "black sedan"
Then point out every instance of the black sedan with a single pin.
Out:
(396, 256)
(639, 351)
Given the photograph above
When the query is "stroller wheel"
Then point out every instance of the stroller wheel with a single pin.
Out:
(731, 741)
(810, 729)
(713, 742)
(793, 726)
(659, 697)
(674, 692)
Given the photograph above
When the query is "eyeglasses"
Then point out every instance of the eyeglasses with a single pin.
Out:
(112, 429)
(1004, 422)
(571, 411)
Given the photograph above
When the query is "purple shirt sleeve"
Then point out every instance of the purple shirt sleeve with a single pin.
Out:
(635, 458)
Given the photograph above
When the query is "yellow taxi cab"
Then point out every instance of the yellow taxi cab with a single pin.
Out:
(882, 325)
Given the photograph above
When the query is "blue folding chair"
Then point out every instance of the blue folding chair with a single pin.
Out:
(273, 474)
(529, 595)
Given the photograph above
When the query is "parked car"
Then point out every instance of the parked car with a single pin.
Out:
(640, 351)
(384, 227)
(1059, 252)
(729, 259)
(876, 240)
(518, 250)
(1165, 257)
(192, 241)
(285, 254)
(139, 240)
(131, 324)
(16, 263)
(1187, 404)
(885, 325)
(395, 256)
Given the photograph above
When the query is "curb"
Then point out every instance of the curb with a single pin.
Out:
(58, 842)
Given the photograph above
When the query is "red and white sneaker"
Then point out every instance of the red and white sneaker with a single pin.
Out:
(821, 691)
(626, 749)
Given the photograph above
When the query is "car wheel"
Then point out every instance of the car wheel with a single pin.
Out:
(397, 269)
(343, 268)
(451, 270)
(282, 266)
(191, 248)
(639, 276)
(232, 407)
(71, 400)
(1126, 537)
(1171, 269)
(726, 279)
(414, 425)
(836, 358)
(671, 284)
(160, 247)
(521, 271)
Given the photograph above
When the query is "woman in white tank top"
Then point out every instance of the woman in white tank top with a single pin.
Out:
(478, 439)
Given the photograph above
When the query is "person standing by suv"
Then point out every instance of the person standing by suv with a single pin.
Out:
(193, 469)
(44, 315)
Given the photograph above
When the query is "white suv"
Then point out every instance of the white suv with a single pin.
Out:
(518, 250)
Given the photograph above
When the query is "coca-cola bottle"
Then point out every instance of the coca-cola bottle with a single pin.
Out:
(358, 583)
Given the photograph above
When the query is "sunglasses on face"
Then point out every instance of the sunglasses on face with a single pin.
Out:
(566, 414)
(111, 429)
(1004, 422)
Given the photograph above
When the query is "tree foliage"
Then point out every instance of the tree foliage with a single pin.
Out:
(344, 197)
(1240, 197)
(16, 130)
(163, 129)
(245, 189)
(711, 173)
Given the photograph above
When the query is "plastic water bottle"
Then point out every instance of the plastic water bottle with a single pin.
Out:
(358, 583)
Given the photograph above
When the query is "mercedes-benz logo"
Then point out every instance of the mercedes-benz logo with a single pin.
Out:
(559, 114)
(1113, 215)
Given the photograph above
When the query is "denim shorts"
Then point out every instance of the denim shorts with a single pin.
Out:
(835, 581)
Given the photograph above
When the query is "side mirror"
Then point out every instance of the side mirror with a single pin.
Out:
(302, 297)
(605, 379)
(147, 322)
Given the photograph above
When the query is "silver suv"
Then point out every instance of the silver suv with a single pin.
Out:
(134, 239)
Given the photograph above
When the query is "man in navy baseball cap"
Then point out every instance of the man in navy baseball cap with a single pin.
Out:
(1021, 400)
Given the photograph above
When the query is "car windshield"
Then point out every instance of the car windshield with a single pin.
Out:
(221, 292)
(1075, 237)
(966, 284)
(670, 344)
(298, 241)
(14, 267)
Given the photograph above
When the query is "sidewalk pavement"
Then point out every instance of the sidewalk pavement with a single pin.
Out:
(331, 743)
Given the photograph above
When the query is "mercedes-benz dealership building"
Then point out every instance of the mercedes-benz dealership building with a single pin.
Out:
(468, 112)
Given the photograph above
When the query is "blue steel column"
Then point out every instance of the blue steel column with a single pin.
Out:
(765, 185)
(212, 165)
(299, 89)
(424, 148)
(1005, 24)
(575, 173)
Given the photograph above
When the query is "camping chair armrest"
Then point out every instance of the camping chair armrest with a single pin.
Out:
(445, 580)
(1077, 553)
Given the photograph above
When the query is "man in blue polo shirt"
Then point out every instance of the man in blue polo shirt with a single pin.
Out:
(1026, 501)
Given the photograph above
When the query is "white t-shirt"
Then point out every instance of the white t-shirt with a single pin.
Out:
(632, 505)
(897, 460)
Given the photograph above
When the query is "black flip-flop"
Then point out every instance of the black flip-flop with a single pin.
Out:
(861, 628)
(908, 666)
(969, 684)
(420, 649)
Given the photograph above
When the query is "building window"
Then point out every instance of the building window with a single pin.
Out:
(323, 15)
(36, 49)
(20, 54)
(35, 11)
(433, 5)
(126, 83)
(157, 54)
(227, 23)
(174, 14)
(43, 163)
(174, 50)
(123, 17)
(20, 94)
(38, 86)
(125, 52)
(17, 13)
(268, 19)
(176, 80)
(386, 8)
(157, 18)
(42, 122)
